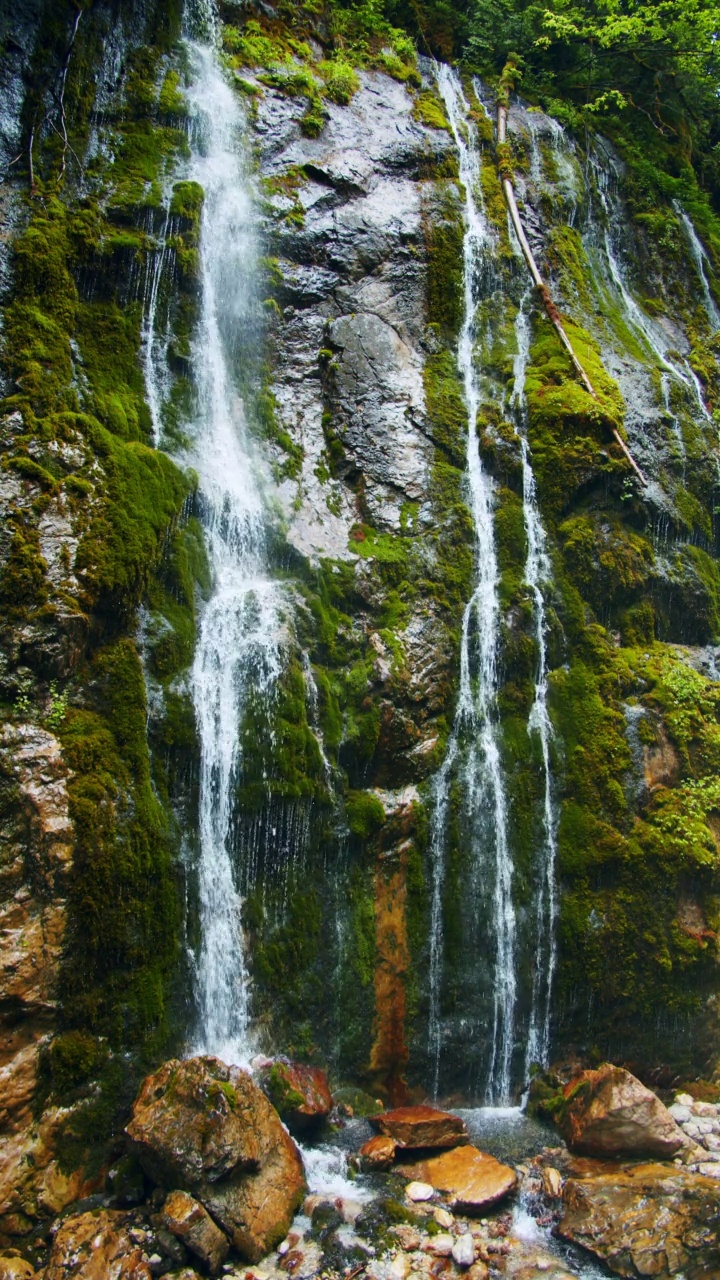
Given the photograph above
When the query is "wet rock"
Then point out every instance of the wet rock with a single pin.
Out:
(552, 1182)
(421, 1127)
(125, 1182)
(443, 1218)
(16, 1269)
(463, 1250)
(377, 1152)
(650, 1220)
(96, 1246)
(419, 1191)
(471, 1180)
(300, 1094)
(192, 1224)
(608, 1112)
(440, 1246)
(193, 1122)
(204, 1127)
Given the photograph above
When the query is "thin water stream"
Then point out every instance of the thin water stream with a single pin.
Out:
(476, 716)
(538, 574)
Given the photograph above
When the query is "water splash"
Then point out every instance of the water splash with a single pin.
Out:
(538, 573)
(476, 716)
(238, 649)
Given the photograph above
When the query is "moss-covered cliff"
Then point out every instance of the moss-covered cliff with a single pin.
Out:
(352, 392)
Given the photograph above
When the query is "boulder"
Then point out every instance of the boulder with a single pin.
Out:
(377, 1152)
(207, 1128)
(299, 1093)
(16, 1269)
(472, 1180)
(421, 1127)
(608, 1112)
(96, 1246)
(192, 1224)
(650, 1220)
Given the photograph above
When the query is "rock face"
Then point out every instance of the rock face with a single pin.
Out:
(96, 1246)
(472, 1180)
(646, 1221)
(204, 1127)
(608, 1113)
(191, 1223)
(300, 1094)
(417, 1127)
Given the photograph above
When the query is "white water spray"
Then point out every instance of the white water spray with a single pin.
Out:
(238, 653)
(476, 715)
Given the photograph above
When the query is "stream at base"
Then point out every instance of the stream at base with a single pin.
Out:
(507, 1133)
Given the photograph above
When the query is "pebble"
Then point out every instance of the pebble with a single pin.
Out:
(680, 1113)
(283, 1248)
(709, 1170)
(684, 1099)
(441, 1245)
(463, 1250)
(707, 1109)
(400, 1267)
(443, 1218)
(417, 1191)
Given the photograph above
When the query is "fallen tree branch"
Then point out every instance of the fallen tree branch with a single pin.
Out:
(506, 179)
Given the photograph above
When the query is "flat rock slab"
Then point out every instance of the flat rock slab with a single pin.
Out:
(472, 1180)
(653, 1220)
(418, 1127)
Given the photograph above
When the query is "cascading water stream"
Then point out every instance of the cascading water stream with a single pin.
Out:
(152, 357)
(476, 716)
(538, 572)
(238, 653)
(700, 258)
(649, 332)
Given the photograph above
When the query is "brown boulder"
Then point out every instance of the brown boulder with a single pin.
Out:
(472, 1180)
(299, 1093)
(192, 1122)
(377, 1152)
(608, 1112)
(204, 1127)
(96, 1246)
(650, 1220)
(16, 1269)
(421, 1127)
(191, 1223)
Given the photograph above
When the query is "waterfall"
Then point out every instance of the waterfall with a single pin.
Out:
(476, 716)
(238, 647)
(700, 258)
(649, 332)
(538, 572)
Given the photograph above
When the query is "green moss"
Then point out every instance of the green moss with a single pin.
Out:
(365, 814)
(428, 109)
(121, 940)
(444, 237)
